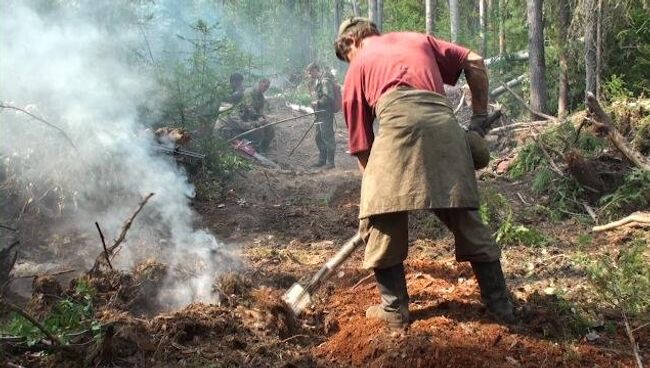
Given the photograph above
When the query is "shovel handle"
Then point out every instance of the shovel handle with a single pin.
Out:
(335, 262)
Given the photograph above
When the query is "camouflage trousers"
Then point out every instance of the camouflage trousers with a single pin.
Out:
(325, 140)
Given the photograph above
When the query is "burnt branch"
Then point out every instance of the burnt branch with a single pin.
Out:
(128, 223)
(101, 236)
(109, 252)
(63, 133)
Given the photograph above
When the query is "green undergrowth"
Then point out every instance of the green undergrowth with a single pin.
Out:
(622, 281)
(220, 165)
(563, 196)
(69, 316)
(633, 194)
(497, 213)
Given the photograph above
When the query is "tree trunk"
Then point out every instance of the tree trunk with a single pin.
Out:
(563, 93)
(372, 11)
(355, 8)
(502, 27)
(591, 68)
(454, 16)
(430, 15)
(536, 60)
(483, 25)
(599, 45)
(380, 15)
(337, 15)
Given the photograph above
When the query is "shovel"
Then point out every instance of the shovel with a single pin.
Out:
(298, 297)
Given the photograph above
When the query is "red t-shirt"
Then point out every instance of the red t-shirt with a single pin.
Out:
(385, 62)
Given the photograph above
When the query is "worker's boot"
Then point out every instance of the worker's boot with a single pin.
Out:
(493, 290)
(330, 160)
(322, 159)
(394, 308)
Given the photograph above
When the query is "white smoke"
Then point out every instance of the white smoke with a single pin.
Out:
(78, 76)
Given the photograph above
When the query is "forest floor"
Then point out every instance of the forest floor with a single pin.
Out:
(285, 223)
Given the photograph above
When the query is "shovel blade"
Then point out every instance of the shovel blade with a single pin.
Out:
(297, 298)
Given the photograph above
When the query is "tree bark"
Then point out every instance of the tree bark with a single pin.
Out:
(591, 69)
(563, 93)
(502, 27)
(372, 10)
(483, 25)
(355, 8)
(454, 16)
(599, 45)
(337, 15)
(380, 15)
(536, 61)
(430, 16)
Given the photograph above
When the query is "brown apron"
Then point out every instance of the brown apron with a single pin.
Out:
(420, 158)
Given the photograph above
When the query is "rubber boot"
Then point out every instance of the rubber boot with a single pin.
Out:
(330, 160)
(493, 290)
(322, 159)
(393, 309)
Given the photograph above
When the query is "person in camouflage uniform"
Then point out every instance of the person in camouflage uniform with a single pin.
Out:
(250, 115)
(236, 88)
(322, 94)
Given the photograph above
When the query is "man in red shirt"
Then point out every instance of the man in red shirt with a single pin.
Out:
(419, 160)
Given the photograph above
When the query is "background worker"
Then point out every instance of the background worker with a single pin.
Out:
(322, 93)
(251, 113)
(420, 159)
(236, 88)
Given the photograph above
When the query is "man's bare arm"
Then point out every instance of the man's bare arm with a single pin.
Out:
(477, 80)
(363, 160)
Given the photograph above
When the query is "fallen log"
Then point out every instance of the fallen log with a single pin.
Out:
(521, 100)
(511, 83)
(640, 218)
(519, 125)
(604, 125)
(515, 56)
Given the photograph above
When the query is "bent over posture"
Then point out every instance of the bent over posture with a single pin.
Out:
(419, 160)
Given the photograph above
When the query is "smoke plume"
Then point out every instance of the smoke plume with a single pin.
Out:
(81, 77)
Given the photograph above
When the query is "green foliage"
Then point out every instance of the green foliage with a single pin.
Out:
(510, 233)
(220, 164)
(194, 87)
(496, 212)
(528, 159)
(632, 195)
(564, 192)
(615, 88)
(623, 281)
(68, 315)
(629, 42)
(542, 180)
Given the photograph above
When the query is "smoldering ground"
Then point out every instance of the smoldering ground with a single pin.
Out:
(67, 68)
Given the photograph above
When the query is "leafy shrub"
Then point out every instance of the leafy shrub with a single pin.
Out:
(220, 165)
(632, 195)
(510, 233)
(69, 315)
(623, 282)
(496, 212)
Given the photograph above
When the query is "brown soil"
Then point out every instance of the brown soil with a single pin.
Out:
(287, 223)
